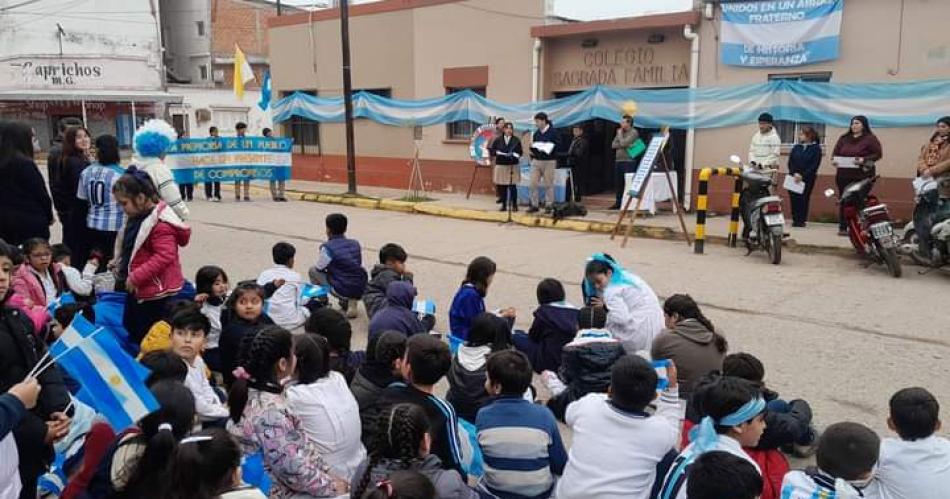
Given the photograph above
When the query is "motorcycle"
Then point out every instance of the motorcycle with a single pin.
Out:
(939, 233)
(869, 222)
(762, 211)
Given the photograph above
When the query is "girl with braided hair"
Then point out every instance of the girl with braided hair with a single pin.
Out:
(263, 422)
(403, 443)
(690, 340)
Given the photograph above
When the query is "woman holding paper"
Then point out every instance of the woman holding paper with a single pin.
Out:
(803, 164)
(860, 145)
(506, 153)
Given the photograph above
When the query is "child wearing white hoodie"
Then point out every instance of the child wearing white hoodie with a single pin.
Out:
(285, 306)
(467, 391)
(847, 453)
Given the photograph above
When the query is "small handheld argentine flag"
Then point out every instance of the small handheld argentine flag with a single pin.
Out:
(663, 379)
(424, 307)
(311, 291)
(110, 378)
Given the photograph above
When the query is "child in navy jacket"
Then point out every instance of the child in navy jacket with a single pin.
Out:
(554, 326)
(469, 300)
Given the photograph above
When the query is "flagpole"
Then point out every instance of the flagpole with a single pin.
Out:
(348, 97)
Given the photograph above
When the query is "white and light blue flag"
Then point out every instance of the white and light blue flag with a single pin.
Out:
(110, 378)
(780, 33)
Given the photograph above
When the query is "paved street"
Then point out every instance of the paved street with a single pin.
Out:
(830, 331)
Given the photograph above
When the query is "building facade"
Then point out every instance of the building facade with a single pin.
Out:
(200, 37)
(513, 52)
(100, 63)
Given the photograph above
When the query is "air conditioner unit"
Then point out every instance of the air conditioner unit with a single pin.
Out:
(218, 75)
(202, 115)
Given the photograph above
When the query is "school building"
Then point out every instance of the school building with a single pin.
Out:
(513, 52)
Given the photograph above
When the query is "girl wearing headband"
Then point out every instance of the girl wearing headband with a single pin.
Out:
(634, 315)
(207, 465)
(403, 443)
(732, 411)
(147, 263)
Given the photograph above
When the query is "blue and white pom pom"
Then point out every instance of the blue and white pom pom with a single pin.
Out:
(153, 138)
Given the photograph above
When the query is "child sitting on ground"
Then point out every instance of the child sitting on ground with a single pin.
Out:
(381, 369)
(721, 475)
(243, 316)
(391, 268)
(467, 390)
(211, 283)
(80, 283)
(398, 314)
(189, 330)
(586, 362)
(208, 465)
(520, 441)
(847, 453)
(617, 445)
(469, 300)
(62, 317)
(426, 361)
(285, 307)
(404, 442)
(333, 326)
(341, 265)
(916, 465)
(402, 485)
(554, 326)
(732, 411)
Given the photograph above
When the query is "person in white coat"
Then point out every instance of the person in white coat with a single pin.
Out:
(326, 407)
(766, 145)
(634, 314)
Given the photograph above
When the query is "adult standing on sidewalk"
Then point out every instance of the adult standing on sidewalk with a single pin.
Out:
(576, 160)
(506, 153)
(276, 186)
(500, 189)
(241, 130)
(543, 162)
(860, 143)
(803, 163)
(54, 166)
(105, 217)
(624, 163)
(213, 188)
(25, 208)
(75, 158)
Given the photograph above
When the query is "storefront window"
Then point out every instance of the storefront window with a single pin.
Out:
(788, 130)
(462, 130)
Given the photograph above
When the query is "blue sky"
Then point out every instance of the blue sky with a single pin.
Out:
(584, 10)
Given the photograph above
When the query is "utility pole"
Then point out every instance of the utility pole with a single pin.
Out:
(278, 8)
(348, 97)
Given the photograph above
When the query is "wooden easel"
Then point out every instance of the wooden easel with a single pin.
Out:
(677, 207)
(417, 186)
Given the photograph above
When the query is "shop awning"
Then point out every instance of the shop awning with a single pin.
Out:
(90, 95)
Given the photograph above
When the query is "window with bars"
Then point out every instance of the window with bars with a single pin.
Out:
(304, 131)
(462, 130)
(382, 92)
(789, 130)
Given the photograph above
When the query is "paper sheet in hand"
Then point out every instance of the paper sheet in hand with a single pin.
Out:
(545, 147)
(792, 186)
(844, 162)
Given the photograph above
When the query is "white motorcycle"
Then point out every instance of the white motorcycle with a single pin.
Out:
(940, 231)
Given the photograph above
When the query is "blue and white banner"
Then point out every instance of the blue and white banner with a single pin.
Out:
(887, 105)
(229, 158)
(780, 33)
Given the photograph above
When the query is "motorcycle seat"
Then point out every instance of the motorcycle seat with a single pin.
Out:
(767, 199)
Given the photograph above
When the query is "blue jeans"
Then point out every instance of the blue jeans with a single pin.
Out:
(623, 168)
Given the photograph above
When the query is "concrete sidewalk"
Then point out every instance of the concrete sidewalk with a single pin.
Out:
(816, 238)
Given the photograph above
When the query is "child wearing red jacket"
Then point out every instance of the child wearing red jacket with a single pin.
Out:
(148, 265)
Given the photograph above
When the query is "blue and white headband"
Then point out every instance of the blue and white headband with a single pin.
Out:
(704, 437)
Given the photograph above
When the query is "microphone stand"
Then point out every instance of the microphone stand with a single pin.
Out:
(510, 200)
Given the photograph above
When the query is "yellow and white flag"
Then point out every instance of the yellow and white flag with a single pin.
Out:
(242, 72)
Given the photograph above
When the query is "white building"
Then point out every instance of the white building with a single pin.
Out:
(99, 62)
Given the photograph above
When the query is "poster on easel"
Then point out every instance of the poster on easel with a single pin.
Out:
(634, 182)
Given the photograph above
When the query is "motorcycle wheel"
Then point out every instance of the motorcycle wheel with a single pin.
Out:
(893, 262)
(774, 247)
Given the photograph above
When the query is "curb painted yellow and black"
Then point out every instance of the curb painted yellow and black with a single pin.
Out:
(597, 227)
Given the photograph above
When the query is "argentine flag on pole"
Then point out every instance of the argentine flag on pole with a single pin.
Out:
(110, 378)
(265, 92)
(242, 72)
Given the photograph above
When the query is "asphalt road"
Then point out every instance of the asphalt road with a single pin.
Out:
(841, 336)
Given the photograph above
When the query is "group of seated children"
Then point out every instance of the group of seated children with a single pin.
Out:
(692, 422)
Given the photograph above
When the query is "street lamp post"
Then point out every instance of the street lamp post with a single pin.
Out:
(348, 97)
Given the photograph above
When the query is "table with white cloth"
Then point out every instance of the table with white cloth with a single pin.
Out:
(657, 189)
